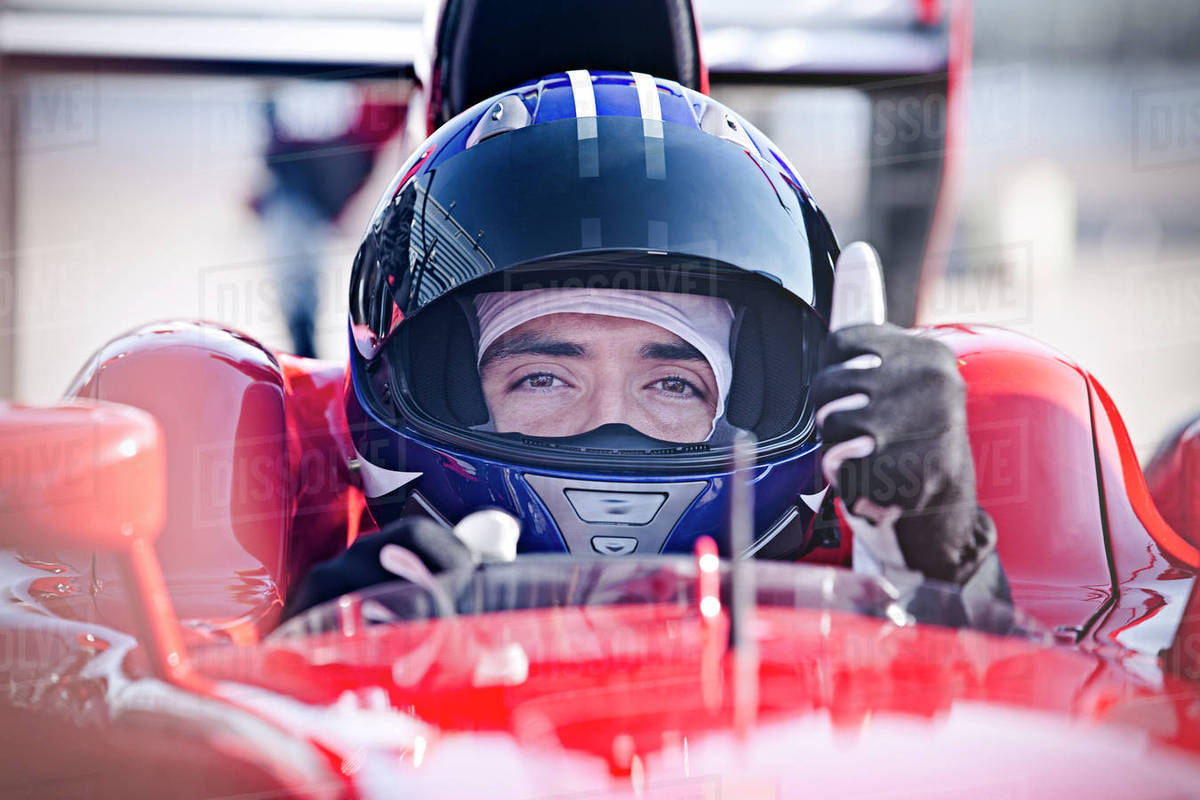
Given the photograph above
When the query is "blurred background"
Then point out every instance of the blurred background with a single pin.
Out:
(152, 153)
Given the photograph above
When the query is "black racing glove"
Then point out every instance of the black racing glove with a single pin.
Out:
(362, 565)
(891, 407)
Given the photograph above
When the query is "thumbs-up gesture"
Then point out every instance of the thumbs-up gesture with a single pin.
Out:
(891, 409)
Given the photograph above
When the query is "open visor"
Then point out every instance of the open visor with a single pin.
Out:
(587, 185)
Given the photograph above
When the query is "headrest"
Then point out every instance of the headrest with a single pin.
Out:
(485, 47)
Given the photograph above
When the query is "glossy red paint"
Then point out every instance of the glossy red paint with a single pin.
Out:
(80, 474)
(226, 460)
(259, 484)
(94, 475)
(610, 699)
(633, 700)
(625, 687)
(1155, 569)
(1053, 456)
(1120, 467)
(1029, 408)
(329, 509)
(1030, 418)
(1173, 479)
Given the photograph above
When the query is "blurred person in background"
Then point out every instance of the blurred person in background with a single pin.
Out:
(324, 137)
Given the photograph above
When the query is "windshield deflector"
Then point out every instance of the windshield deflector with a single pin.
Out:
(552, 581)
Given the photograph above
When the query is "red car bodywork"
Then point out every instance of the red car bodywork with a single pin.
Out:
(1173, 475)
(633, 699)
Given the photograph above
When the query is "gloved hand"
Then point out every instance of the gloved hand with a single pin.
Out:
(891, 408)
(378, 558)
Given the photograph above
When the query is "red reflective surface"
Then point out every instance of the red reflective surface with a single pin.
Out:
(613, 700)
(82, 474)
(622, 701)
(1173, 478)
(1030, 418)
(259, 484)
(1154, 567)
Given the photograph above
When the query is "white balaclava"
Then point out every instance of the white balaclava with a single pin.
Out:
(703, 322)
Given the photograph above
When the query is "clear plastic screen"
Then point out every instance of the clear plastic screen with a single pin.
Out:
(686, 193)
(539, 582)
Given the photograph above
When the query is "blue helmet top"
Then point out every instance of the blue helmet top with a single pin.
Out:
(600, 180)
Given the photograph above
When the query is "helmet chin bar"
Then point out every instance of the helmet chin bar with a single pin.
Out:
(614, 518)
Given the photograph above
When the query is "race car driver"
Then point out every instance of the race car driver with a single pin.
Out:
(570, 300)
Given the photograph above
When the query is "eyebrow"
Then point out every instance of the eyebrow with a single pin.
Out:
(671, 351)
(535, 344)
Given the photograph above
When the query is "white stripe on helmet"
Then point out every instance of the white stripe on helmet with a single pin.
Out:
(652, 126)
(585, 122)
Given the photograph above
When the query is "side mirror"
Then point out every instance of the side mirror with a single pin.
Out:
(93, 475)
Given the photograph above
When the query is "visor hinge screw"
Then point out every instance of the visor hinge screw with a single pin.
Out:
(497, 111)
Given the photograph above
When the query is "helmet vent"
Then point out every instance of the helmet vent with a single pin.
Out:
(699, 447)
(717, 121)
(506, 114)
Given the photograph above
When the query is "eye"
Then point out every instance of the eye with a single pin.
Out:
(678, 387)
(537, 380)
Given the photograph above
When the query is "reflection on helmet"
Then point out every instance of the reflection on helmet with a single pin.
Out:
(569, 314)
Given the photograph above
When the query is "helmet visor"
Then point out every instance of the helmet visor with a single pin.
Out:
(588, 185)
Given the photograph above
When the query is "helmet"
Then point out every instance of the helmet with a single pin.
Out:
(597, 181)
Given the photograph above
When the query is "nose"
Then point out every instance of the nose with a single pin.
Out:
(608, 402)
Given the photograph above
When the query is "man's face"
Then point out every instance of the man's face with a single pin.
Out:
(564, 374)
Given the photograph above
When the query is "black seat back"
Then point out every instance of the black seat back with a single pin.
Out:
(484, 47)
